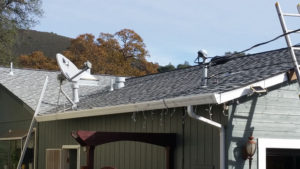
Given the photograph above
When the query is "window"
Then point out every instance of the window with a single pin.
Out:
(278, 153)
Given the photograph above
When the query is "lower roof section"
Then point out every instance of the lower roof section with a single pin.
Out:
(200, 99)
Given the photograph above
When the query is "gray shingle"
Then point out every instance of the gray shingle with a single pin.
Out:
(27, 84)
(236, 73)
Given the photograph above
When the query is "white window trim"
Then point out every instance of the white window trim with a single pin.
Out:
(35, 149)
(264, 143)
(78, 152)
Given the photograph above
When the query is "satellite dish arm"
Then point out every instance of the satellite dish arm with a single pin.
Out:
(87, 65)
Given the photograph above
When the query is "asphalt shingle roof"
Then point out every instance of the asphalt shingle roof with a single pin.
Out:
(236, 73)
(27, 85)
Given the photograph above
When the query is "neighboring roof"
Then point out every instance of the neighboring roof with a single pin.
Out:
(27, 85)
(236, 73)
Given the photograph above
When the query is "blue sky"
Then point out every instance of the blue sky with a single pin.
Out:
(174, 30)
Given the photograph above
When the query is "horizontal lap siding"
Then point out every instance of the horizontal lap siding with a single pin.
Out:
(200, 148)
(274, 115)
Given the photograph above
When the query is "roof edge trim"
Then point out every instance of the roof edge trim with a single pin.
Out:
(237, 93)
(209, 98)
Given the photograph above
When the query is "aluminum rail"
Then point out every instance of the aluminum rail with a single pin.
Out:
(33, 121)
(288, 41)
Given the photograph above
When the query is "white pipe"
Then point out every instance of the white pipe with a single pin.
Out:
(192, 114)
(75, 87)
(204, 75)
(11, 72)
(111, 85)
(197, 117)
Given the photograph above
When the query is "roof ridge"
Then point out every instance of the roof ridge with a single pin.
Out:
(45, 70)
(33, 69)
(193, 66)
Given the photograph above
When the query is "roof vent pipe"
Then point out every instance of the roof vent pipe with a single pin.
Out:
(75, 87)
(202, 54)
(120, 82)
(111, 85)
(204, 75)
(11, 72)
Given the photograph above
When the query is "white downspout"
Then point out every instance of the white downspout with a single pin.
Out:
(192, 114)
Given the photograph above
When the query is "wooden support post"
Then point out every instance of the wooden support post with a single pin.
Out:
(169, 158)
(90, 157)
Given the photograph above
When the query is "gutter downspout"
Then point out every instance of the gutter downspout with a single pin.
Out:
(192, 114)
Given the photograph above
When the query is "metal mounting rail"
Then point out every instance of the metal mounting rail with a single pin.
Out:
(288, 40)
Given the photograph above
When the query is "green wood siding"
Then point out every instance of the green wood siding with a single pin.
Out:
(14, 115)
(274, 115)
(198, 143)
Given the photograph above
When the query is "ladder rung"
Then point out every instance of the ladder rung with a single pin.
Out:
(292, 31)
(240, 117)
(296, 48)
(290, 14)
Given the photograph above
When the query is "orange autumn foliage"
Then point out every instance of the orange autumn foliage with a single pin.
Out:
(123, 53)
(37, 60)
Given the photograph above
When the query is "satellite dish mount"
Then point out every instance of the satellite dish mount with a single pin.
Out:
(76, 76)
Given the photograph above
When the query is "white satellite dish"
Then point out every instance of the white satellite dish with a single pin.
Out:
(70, 71)
(75, 75)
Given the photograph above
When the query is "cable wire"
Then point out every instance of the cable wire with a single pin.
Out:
(263, 43)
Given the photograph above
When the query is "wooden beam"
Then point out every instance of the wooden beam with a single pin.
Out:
(91, 139)
(292, 75)
(90, 157)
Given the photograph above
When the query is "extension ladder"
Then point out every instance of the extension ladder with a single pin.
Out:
(291, 48)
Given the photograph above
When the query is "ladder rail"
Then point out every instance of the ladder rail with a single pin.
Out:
(288, 41)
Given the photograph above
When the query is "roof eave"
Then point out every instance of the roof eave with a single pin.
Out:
(246, 90)
(209, 98)
(200, 99)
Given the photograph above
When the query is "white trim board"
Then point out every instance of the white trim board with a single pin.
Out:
(264, 143)
(74, 147)
(200, 99)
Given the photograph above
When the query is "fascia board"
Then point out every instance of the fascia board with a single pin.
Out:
(237, 93)
(135, 107)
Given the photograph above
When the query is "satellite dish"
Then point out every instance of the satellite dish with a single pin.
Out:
(70, 71)
(76, 76)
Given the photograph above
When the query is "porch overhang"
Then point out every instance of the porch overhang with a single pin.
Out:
(13, 135)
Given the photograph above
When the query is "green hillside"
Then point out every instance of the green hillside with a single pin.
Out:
(28, 41)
